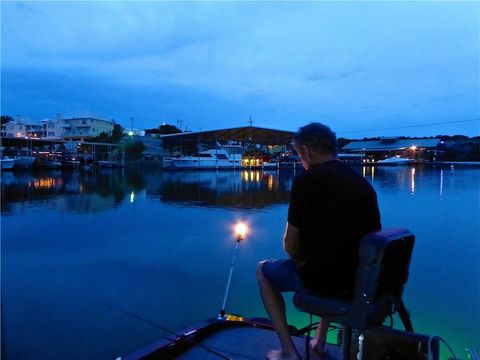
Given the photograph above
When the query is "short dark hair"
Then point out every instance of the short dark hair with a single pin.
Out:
(318, 137)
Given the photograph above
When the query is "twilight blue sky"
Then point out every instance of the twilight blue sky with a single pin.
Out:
(364, 68)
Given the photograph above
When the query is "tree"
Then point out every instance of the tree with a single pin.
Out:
(164, 129)
(117, 133)
(112, 138)
(5, 119)
(134, 150)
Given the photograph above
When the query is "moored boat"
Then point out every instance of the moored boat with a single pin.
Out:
(219, 157)
(48, 163)
(7, 163)
(24, 161)
(68, 162)
(396, 160)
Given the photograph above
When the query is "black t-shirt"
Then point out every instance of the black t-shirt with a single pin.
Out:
(333, 207)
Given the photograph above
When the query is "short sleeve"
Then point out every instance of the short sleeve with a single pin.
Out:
(296, 204)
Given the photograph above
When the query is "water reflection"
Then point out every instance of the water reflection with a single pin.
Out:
(239, 189)
(96, 191)
(441, 182)
(69, 191)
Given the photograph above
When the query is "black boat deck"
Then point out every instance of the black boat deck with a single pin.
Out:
(246, 343)
(234, 337)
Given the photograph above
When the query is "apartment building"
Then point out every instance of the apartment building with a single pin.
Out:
(73, 128)
(22, 129)
(76, 128)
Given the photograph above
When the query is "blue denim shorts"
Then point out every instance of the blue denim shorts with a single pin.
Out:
(284, 275)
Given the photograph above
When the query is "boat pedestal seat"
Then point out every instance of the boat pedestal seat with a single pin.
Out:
(338, 310)
(330, 307)
(384, 260)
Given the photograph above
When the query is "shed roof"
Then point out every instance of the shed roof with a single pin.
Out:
(253, 134)
(391, 144)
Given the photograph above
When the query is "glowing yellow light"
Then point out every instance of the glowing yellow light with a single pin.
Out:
(270, 182)
(413, 147)
(241, 230)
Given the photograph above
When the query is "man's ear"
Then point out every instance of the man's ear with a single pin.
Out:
(305, 151)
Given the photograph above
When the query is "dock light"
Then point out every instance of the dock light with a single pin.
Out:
(241, 230)
(413, 147)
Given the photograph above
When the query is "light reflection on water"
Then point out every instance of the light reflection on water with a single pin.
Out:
(159, 245)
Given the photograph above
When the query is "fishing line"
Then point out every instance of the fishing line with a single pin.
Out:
(142, 319)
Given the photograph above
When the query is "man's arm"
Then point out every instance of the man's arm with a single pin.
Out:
(291, 240)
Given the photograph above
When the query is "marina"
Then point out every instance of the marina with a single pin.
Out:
(28, 154)
(157, 156)
(164, 237)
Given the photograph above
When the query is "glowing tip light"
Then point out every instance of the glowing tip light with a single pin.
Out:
(241, 231)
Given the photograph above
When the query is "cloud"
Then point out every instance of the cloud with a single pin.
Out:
(355, 62)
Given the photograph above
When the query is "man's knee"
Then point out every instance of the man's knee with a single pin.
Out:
(260, 276)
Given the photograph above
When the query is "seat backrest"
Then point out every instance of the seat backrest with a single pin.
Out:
(384, 260)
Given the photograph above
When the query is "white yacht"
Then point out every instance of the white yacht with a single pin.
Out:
(396, 160)
(219, 157)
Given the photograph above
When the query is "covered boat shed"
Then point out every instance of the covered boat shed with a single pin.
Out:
(243, 135)
(420, 149)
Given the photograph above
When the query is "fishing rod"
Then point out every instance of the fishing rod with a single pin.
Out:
(163, 328)
(241, 231)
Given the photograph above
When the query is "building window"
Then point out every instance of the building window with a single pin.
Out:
(51, 126)
(51, 133)
(84, 121)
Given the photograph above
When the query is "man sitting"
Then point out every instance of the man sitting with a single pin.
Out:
(331, 208)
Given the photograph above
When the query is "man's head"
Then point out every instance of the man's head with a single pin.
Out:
(315, 143)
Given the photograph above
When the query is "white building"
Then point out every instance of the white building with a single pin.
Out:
(22, 129)
(52, 129)
(76, 128)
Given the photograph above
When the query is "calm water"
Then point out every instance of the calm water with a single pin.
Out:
(160, 245)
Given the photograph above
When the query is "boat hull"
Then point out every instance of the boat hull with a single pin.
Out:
(201, 164)
(24, 162)
(7, 164)
(396, 161)
(234, 337)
